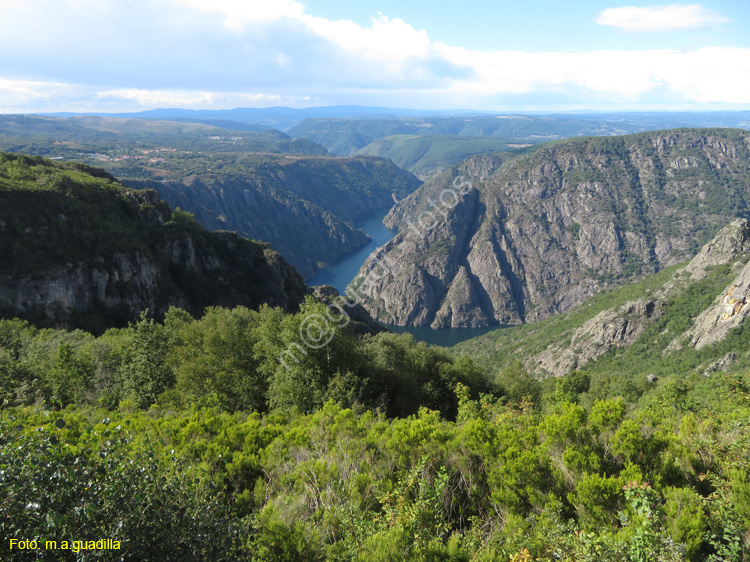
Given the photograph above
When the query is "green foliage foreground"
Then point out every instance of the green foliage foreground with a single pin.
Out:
(502, 482)
(190, 440)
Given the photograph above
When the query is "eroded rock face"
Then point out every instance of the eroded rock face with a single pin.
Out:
(114, 253)
(303, 207)
(122, 286)
(610, 328)
(622, 326)
(538, 235)
(730, 310)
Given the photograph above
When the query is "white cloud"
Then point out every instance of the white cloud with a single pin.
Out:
(707, 75)
(674, 17)
(219, 54)
(184, 99)
(32, 96)
(240, 12)
(390, 40)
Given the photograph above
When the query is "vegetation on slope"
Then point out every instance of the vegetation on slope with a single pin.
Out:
(428, 155)
(503, 481)
(536, 235)
(80, 248)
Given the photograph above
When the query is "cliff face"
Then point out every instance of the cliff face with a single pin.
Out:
(646, 319)
(489, 243)
(80, 249)
(304, 207)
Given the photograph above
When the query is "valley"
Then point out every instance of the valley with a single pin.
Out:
(325, 281)
(573, 320)
(537, 235)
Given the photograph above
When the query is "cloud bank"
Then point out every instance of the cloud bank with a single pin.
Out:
(85, 55)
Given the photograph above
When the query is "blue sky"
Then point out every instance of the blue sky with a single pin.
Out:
(121, 55)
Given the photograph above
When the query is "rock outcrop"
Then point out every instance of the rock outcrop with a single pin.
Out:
(620, 327)
(730, 310)
(82, 250)
(608, 329)
(491, 243)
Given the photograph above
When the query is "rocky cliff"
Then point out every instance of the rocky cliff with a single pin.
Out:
(81, 249)
(506, 243)
(620, 327)
(649, 317)
(304, 207)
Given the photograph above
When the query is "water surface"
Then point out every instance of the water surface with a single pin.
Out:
(341, 272)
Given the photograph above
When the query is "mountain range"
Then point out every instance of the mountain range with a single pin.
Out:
(263, 184)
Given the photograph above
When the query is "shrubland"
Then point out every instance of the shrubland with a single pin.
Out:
(189, 440)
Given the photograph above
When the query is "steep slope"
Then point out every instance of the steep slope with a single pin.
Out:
(304, 207)
(254, 182)
(488, 243)
(683, 319)
(80, 248)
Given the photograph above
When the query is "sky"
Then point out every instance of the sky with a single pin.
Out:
(542, 55)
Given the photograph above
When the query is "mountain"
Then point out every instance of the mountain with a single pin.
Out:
(426, 156)
(491, 243)
(686, 319)
(303, 206)
(346, 136)
(80, 248)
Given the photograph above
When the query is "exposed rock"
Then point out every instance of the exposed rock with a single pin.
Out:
(488, 243)
(610, 328)
(722, 364)
(621, 327)
(303, 207)
(652, 378)
(118, 252)
(732, 241)
(729, 311)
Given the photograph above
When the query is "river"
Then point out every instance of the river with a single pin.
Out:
(341, 272)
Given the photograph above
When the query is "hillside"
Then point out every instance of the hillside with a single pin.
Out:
(687, 320)
(302, 206)
(81, 249)
(539, 234)
(345, 136)
(426, 156)
(77, 137)
(263, 184)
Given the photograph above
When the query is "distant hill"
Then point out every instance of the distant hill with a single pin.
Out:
(79, 248)
(428, 155)
(303, 206)
(278, 117)
(74, 137)
(346, 136)
(263, 184)
(537, 235)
